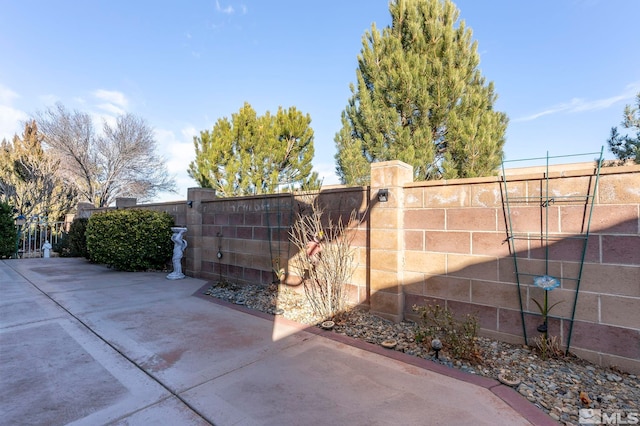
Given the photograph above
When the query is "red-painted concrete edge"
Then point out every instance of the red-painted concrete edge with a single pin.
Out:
(529, 411)
(519, 403)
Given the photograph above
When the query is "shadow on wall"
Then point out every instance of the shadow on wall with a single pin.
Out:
(455, 256)
(467, 271)
(606, 319)
(248, 240)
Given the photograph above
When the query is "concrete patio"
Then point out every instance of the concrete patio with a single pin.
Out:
(85, 345)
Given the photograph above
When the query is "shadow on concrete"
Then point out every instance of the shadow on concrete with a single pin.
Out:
(89, 345)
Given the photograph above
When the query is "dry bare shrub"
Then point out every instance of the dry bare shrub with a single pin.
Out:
(459, 337)
(325, 259)
(548, 346)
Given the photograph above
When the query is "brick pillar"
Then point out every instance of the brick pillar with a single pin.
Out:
(387, 238)
(195, 197)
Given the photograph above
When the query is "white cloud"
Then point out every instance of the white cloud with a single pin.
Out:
(112, 96)
(582, 105)
(7, 95)
(111, 108)
(327, 173)
(48, 99)
(227, 10)
(178, 153)
(189, 132)
(111, 104)
(99, 119)
(11, 118)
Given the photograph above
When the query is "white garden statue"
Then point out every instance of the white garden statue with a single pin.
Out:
(179, 245)
(46, 249)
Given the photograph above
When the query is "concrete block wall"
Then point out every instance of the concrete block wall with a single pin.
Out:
(249, 232)
(252, 235)
(445, 242)
(456, 254)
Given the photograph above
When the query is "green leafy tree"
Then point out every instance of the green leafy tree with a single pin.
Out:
(625, 147)
(420, 99)
(252, 154)
(8, 232)
(30, 178)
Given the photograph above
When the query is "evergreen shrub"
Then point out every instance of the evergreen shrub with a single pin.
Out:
(8, 232)
(74, 242)
(130, 240)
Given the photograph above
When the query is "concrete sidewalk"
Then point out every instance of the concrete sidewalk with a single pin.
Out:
(83, 344)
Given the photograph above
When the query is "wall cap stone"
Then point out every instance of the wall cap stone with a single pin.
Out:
(556, 172)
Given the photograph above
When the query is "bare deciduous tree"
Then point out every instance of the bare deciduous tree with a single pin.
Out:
(120, 162)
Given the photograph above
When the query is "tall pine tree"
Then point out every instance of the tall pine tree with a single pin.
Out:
(625, 146)
(256, 154)
(420, 99)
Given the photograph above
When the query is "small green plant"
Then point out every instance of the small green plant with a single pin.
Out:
(458, 337)
(278, 270)
(130, 240)
(74, 242)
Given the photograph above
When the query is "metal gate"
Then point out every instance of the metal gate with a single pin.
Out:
(34, 234)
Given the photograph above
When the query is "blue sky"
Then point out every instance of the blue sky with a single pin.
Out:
(563, 69)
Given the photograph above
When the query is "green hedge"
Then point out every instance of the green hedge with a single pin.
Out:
(130, 240)
(74, 242)
(8, 232)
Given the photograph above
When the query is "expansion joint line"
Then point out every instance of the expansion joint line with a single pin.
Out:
(125, 356)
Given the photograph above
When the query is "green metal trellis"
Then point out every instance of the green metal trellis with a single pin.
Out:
(544, 201)
(279, 229)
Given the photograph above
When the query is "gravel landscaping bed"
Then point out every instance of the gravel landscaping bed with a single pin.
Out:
(558, 386)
